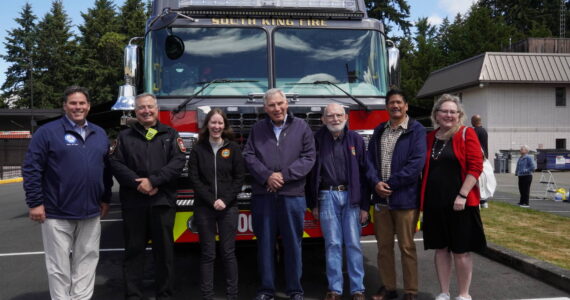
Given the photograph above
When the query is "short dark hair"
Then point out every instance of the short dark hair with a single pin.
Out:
(393, 92)
(227, 133)
(75, 89)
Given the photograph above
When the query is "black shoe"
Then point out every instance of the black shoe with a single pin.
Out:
(296, 297)
(264, 297)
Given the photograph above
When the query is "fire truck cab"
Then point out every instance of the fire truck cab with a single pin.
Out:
(199, 54)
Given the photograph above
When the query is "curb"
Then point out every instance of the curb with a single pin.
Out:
(12, 180)
(543, 271)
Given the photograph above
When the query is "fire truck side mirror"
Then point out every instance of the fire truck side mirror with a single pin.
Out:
(174, 47)
(393, 63)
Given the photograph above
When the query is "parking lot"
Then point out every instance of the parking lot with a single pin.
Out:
(23, 273)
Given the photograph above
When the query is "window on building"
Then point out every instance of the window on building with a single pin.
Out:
(561, 144)
(560, 96)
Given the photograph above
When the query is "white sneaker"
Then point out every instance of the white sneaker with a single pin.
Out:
(462, 298)
(442, 296)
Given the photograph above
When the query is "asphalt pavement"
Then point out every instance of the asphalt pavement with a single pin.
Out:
(23, 273)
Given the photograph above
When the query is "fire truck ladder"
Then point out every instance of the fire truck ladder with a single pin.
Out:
(547, 178)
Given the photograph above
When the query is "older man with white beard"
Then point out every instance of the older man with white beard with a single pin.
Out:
(339, 200)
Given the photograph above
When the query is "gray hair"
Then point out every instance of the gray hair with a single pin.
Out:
(437, 106)
(272, 92)
(525, 147)
(144, 95)
(334, 104)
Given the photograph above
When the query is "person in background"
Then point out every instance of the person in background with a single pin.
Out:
(396, 155)
(483, 140)
(450, 197)
(216, 172)
(525, 167)
(68, 189)
(279, 153)
(147, 160)
(339, 198)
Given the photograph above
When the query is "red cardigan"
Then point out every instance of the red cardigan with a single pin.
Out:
(470, 159)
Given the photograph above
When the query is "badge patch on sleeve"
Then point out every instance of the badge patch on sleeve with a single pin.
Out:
(180, 143)
(226, 153)
(353, 150)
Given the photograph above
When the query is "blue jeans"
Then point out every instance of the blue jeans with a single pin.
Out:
(340, 224)
(274, 215)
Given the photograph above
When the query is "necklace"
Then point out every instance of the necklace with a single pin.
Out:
(435, 153)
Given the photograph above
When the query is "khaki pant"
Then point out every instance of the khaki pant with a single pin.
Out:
(71, 276)
(401, 223)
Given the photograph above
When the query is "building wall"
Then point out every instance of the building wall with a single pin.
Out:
(519, 114)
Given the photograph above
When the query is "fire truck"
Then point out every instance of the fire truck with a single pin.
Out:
(200, 54)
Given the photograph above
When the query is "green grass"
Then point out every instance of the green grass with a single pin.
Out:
(537, 234)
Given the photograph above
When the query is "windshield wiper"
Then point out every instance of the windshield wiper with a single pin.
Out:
(206, 85)
(342, 90)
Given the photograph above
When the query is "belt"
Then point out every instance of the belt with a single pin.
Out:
(341, 187)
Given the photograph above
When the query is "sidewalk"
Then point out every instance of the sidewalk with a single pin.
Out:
(507, 191)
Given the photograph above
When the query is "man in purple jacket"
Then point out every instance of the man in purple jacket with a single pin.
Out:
(279, 154)
(396, 156)
(339, 197)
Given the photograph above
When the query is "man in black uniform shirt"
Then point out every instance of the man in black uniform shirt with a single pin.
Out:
(146, 161)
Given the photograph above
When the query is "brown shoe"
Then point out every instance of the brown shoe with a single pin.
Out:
(358, 296)
(409, 296)
(384, 294)
(332, 296)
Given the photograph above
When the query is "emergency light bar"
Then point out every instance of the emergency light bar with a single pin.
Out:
(342, 4)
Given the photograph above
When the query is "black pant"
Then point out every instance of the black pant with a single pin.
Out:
(140, 225)
(524, 188)
(210, 222)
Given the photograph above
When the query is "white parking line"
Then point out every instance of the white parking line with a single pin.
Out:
(42, 252)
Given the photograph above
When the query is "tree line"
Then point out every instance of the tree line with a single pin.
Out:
(45, 56)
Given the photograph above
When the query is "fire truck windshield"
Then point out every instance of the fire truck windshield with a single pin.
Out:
(238, 55)
(352, 59)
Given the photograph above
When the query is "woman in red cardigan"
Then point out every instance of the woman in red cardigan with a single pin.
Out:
(450, 197)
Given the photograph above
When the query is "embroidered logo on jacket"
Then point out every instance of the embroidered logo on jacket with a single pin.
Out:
(353, 150)
(70, 139)
(226, 153)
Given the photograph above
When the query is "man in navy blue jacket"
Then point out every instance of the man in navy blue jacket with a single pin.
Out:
(279, 153)
(68, 188)
(396, 156)
(338, 194)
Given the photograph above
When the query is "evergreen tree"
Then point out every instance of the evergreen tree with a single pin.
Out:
(133, 18)
(101, 51)
(56, 57)
(391, 11)
(20, 51)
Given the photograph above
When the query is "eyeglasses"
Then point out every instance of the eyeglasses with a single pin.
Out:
(332, 116)
(450, 112)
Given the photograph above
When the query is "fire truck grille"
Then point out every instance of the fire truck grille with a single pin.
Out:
(241, 123)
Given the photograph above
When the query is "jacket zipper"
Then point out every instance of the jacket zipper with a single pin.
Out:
(216, 175)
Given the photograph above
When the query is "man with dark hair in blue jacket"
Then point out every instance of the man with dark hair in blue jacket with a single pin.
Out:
(68, 188)
(338, 194)
(279, 153)
(396, 156)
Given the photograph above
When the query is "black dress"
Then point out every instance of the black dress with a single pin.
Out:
(459, 231)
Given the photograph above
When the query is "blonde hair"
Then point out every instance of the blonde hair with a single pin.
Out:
(437, 106)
